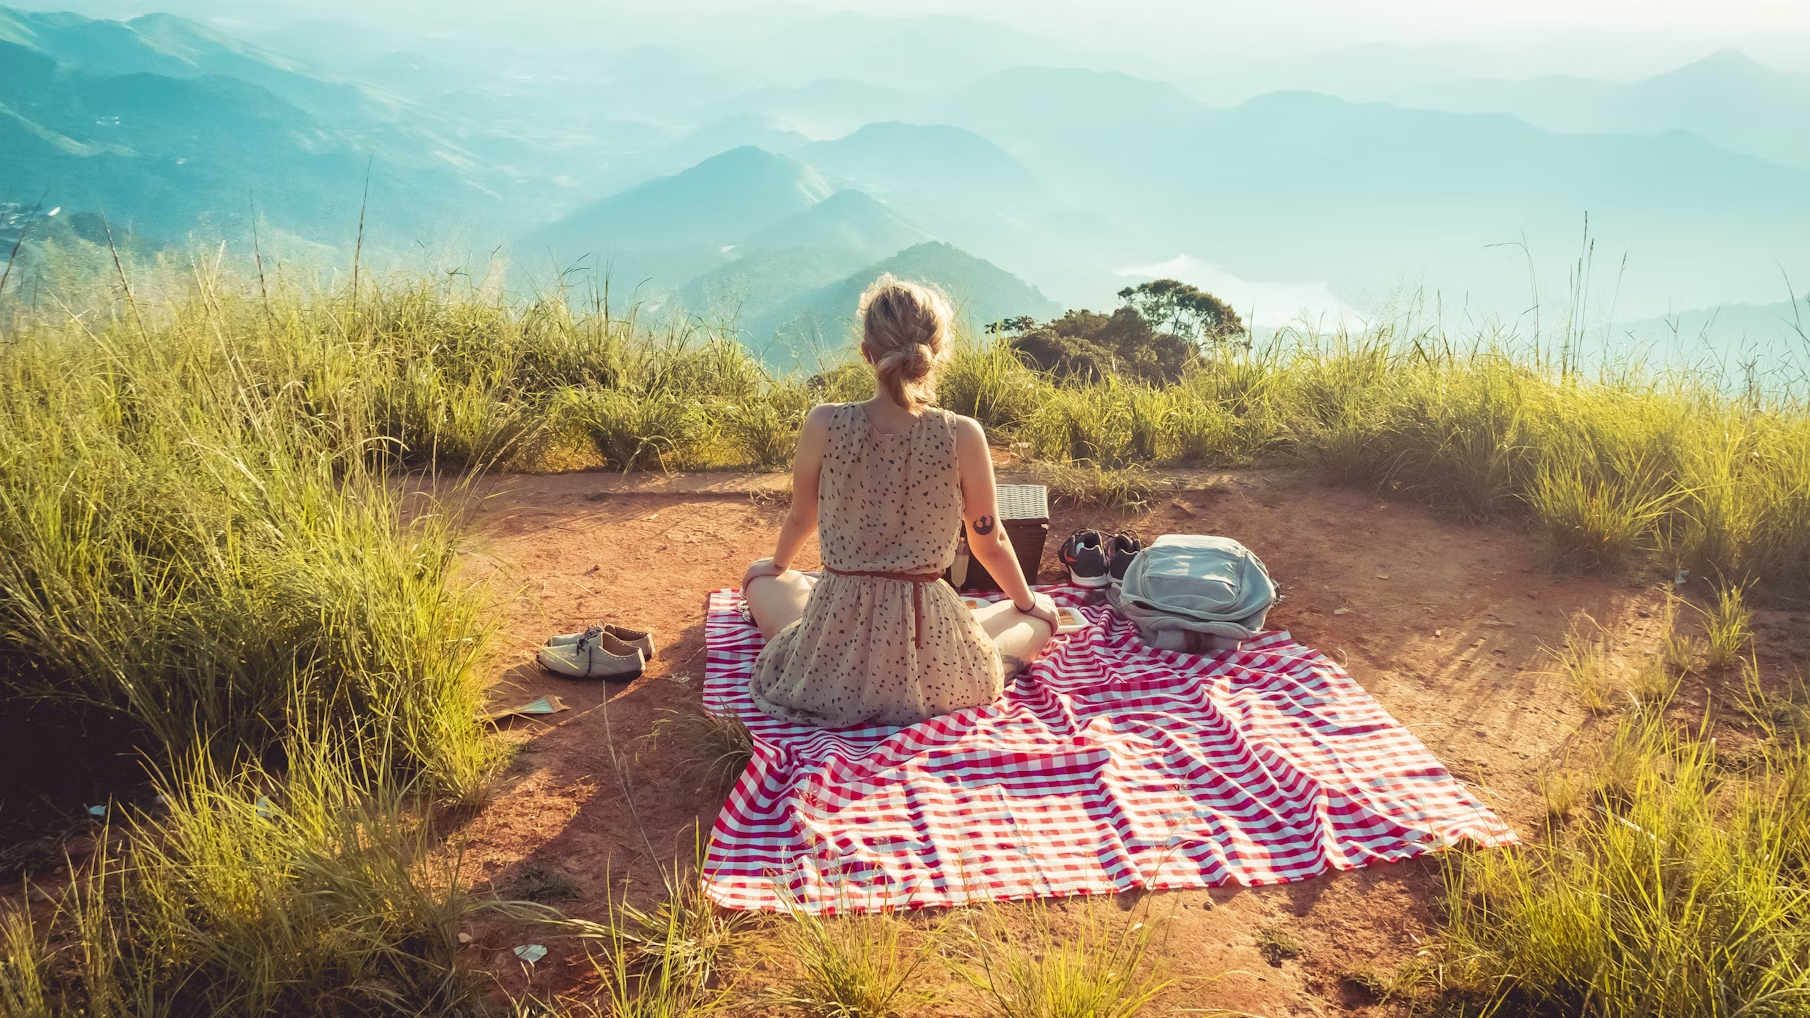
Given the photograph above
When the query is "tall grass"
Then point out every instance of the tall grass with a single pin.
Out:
(664, 962)
(1682, 891)
(316, 891)
(187, 548)
(1608, 470)
(1100, 968)
(851, 966)
(1583, 662)
(1727, 629)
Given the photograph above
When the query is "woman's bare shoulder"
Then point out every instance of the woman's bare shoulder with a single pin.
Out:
(822, 414)
(967, 424)
(967, 430)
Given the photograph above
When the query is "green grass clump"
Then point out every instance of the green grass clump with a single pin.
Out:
(316, 891)
(1277, 945)
(1132, 487)
(1727, 628)
(1681, 891)
(662, 962)
(716, 748)
(1583, 662)
(852, 967)
(187, 551)
(1099, 969)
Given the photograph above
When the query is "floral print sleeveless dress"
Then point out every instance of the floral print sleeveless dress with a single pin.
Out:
(878, 644)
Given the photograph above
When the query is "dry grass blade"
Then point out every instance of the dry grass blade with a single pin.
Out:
(1680, 892)
(716, 747)
(853, 966)
(1131, 488)
(1099, 969)
(1583, 662)
(1727, 628)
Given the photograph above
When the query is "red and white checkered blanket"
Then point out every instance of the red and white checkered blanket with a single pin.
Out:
(1107, 766)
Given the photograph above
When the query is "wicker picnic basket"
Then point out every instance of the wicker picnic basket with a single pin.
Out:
(1024, 511)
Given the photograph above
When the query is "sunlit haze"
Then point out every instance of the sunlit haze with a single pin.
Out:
(1615, 163)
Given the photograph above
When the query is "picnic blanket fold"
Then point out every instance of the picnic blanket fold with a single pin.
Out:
(1106, 766)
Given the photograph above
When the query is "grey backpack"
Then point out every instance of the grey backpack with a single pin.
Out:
(1186, 583)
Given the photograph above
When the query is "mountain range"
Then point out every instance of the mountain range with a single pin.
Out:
(1727, 99)
(137, 121)
(762, 190)
(766, 244)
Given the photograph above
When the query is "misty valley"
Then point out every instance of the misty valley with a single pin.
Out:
(756, 188)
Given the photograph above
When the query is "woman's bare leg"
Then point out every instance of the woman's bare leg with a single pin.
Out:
(778, 601)
(1018, 636)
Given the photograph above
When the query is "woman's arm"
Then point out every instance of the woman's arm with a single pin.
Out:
(801, 521)
(987, 540)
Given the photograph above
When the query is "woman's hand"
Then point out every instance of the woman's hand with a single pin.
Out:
(760, 567)
(1042, 607)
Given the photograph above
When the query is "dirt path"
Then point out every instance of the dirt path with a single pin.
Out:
(1443, 622)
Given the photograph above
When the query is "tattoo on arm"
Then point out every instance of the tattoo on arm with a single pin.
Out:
(984, 525)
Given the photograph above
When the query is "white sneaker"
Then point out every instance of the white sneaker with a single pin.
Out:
(593, 656)
(643, 639)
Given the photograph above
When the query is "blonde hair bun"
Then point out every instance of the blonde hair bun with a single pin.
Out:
(905, 336)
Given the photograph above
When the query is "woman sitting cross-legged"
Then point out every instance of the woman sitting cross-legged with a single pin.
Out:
(887, 484)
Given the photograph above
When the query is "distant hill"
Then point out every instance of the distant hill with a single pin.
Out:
(173, 47)
(806, 250)
(757, 291)
(969, 191)
(1304, 186)
(170, 127)
(1724, 340)
(164, 45)
(1728, 98)
(714, 138)
(848, 220)
(933, 166)
(817, 327)
(760, 241)
(169, 155)
(683, 225)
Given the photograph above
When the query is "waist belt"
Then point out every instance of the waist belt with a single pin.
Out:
(917, 581)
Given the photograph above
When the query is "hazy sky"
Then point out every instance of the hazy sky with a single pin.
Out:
(1611, 37)
(1569, 32)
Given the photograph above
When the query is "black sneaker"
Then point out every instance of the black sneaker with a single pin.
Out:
(1084, 553)
(1120, 550)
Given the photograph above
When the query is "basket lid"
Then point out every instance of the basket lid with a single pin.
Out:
(1024, 502)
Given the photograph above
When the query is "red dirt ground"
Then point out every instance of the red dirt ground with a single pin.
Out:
(1443, 622)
